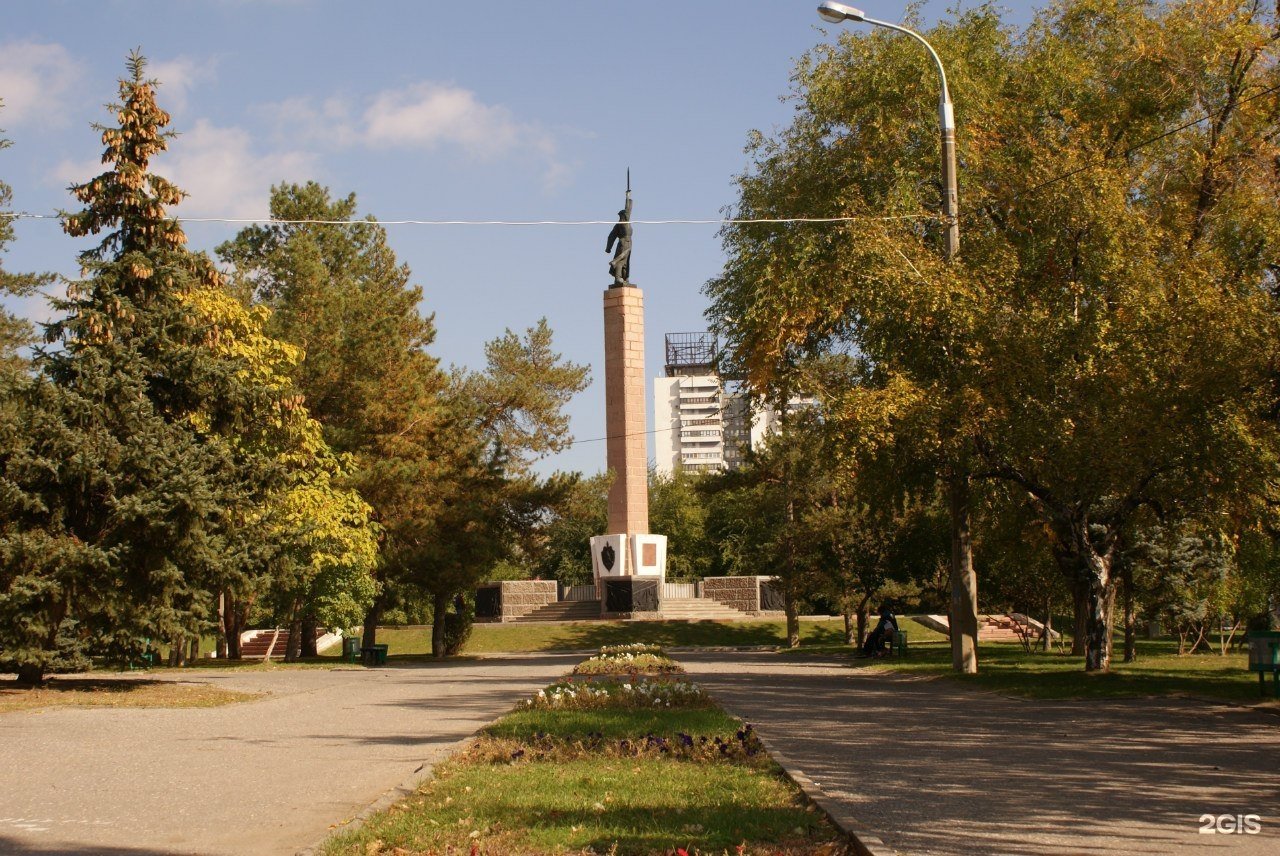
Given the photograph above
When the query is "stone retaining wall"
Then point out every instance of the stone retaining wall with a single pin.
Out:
(741, 593)
(521, 597)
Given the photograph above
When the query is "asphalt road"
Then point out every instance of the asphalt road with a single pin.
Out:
(262, 777)
(932, 767)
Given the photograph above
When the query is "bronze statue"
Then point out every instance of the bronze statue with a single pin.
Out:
(620, 267)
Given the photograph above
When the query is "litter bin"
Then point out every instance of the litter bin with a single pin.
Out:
(374, 655)
(1264, 656)
(350, 648)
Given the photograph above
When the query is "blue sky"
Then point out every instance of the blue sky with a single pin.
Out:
(433, 110)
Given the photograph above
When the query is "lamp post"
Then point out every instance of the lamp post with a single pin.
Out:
(836, 13)
(964, 582)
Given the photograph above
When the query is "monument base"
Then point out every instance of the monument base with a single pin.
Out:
(629, 572)
(622, 555)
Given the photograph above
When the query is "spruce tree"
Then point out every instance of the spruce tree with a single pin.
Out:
(117, 503)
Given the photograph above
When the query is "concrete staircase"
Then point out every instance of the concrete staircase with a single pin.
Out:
(566, 610)
(699, 609)
(673, 609)
(991, 628)
(255, 647)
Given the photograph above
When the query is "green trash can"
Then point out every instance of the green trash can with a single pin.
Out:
(1264, 657)
(350, 648)
(374, 655)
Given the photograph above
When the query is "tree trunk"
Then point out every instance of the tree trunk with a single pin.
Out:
(237, 616)
(963, 618)
(178, 651)
(1048, 624)
(1130, 619)
(308, 640)
(864, 610)
(850, 631)
(194, 654)
(293, 650)
(1100, 591)
(369, 631)
(1080, 616)
(440, 607)
(793, 619)
(223, 646)
(31, 675)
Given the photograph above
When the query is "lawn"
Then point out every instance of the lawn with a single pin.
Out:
(1158, 670)
(115, 692)
(646, 767)
(590, 635)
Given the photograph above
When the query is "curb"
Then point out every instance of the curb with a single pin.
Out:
(865, 842)
(407, 787)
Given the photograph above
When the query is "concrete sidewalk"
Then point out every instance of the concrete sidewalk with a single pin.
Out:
(932, 767)
(261, 777)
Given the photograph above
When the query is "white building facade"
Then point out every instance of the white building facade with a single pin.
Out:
(699, 426)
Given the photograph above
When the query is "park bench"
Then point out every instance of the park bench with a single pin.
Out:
(1264, 658)
(895, 644)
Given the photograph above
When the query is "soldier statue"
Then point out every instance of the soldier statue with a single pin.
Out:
(620, 267)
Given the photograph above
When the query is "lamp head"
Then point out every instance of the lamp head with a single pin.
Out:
(837, 12)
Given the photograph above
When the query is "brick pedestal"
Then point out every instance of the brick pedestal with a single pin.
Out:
(624, 398)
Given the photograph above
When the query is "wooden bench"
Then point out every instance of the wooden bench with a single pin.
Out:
(895, 644)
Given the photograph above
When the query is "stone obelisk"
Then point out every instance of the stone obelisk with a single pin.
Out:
(624, 407)
(628, 561)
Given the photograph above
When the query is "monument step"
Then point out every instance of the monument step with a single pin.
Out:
(565, 610)
(698, 608)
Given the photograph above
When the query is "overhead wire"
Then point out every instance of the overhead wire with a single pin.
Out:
(723, 221)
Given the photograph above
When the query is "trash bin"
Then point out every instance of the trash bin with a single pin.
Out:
(350, 648)
(374, 655)
(1264, 657)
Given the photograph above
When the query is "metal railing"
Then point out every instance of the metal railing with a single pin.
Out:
(581, 593)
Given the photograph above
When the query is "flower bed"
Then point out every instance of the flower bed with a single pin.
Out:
(635, 659)
(587, 695)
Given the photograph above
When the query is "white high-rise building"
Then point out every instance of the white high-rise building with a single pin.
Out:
(698, 425)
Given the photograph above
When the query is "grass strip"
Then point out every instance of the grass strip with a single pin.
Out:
(1158, 671)
(116, 692)
(623, 806)
(597, 766)
(590, 635)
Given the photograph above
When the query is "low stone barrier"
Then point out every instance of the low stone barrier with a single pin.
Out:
(741, 593)
(511, 600)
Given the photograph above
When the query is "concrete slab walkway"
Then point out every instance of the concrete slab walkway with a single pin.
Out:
(262, 777)
(933, 767)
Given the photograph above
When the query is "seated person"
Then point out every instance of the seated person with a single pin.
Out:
(885, 628)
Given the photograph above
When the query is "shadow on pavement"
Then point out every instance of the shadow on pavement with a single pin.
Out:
(938, 768)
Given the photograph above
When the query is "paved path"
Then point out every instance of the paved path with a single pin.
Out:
(261, 777)
(935, 768)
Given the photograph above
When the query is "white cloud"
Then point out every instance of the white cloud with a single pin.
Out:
(219, 169)
(34, 79)
(429, 114)
(177, 77)
(421, 115)
(224, 176)
(327, 125)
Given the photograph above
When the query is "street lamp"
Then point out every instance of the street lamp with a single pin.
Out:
(836, 13)
(964, 585)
